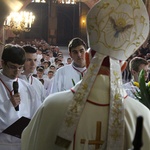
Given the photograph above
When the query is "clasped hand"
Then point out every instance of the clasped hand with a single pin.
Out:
(15, 99)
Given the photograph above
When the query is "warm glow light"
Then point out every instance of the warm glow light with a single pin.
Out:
(83, 21)
(19, 21)
(38, 1)
(67, 1)
(13, 5)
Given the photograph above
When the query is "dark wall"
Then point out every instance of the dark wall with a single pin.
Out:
(67, 23)
(39, 29)
(4, 12)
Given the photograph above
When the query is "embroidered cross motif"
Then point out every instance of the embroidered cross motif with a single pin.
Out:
(97, 142)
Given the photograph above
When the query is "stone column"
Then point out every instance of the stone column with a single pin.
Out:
(52, 26)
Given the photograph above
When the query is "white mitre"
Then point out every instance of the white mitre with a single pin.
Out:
(115, 28)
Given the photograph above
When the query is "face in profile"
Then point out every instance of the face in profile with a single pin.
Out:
(30, 63)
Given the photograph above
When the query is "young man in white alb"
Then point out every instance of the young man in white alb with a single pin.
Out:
(14, 105)
(135, 66)
(67, 76)
(29, 68)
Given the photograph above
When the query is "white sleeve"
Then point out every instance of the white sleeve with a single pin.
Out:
(48, 91)
(57, 83)
(35, 102)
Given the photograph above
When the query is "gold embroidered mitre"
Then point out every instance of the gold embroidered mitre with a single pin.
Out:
(117, 28)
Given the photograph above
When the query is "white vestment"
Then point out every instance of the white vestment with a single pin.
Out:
(49, 86)
(131, 89)
(66, 77)
(46, 70)
(52, 60)
(42, 131)
(8, 114)
(39, 57)
(36, 84)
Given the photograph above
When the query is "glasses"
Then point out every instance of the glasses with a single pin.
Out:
(13, 67)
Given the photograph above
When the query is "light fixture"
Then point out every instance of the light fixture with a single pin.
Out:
(19, 21)
(38, 1)
(66, 1)
(83, 21)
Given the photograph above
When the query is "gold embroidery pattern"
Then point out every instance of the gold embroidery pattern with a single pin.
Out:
(117, 108)
(75, 108)
(69, 121)
(108, 24)
(133, 3)
(116, 121)
(97, 142)
(117, 33)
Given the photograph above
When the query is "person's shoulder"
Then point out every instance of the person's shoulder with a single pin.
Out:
(63, 96)
(135, 107)
(37, 81)
(22, 81)
(58, 100)
(65, 68)
(25, 84)
(127, 83)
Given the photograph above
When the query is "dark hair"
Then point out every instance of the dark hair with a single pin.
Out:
(41, 80)
(48, 62)
(136, 62)
(34, 75)
(42, 60)
(52, 66)
(29, 49)
(76, 42)
(50, 71)
(14, 54)
(56, 59)
(39, 67)
(61, 64)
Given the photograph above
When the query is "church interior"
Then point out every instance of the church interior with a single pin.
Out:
(54, 22)
(57, 22)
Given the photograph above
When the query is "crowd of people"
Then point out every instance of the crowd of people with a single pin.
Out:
(38, 69)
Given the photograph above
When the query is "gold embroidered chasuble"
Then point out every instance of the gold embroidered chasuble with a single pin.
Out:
(43, 128)
(99, 96)
(53, 120)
